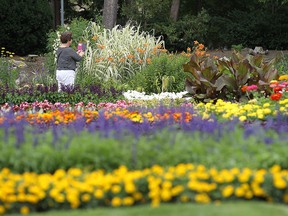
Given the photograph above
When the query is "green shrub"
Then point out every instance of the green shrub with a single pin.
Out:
(208, 78)
(164, 74)
(24, 25)
(282, 65)
(8, 72)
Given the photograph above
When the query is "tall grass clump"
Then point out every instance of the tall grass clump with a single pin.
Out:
(119, 53)
(112, 56)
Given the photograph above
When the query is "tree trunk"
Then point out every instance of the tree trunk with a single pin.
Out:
(174, 10)
(110, 13)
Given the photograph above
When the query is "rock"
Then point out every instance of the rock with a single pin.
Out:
(18, 64)
(258, 50)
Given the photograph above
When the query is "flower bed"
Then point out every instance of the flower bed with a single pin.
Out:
(77, 188)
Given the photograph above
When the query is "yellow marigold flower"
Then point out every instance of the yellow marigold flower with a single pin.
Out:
(75, 204)
(279, 183)
(283, 77)
(242, 118)
(99, 194)
(184, 198)
(60, 198)
(128, 201)
(75, 172)
(2, 209)
(137, 196)
(177, 190)
(116, 201)
(258, 191)
(115, 189)
(202, 198)
(24, 210)
(86, 197)
(167, 184)
(275, 168)
(227, 191)
(239, 192)
(155, 202)
(166, 195)
(130, 187)
(248, 195)
(5, 171)
(60, 173)
(285, 198)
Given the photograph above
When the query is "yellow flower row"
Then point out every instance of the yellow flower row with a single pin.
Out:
(251, 110)
(75, 188)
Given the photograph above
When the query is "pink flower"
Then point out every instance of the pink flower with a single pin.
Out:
(252, 88)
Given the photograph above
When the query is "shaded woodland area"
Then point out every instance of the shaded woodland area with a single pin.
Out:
(218, 24)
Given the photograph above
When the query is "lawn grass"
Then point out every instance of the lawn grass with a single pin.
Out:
(249, 208)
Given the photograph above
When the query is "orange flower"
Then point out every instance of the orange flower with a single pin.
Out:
(201, 46)
(94, 37)
(244, 88)
(100, 46)
(141, 50)
(196, 42)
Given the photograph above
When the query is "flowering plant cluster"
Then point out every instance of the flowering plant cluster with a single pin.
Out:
(76, 188)
(279, 88)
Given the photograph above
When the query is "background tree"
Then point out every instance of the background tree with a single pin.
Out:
(174, 10)
(24, 25)
(110, 13)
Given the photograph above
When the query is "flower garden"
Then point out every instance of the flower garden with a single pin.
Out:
(224, 139)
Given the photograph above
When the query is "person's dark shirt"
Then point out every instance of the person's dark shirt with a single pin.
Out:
(67, 58)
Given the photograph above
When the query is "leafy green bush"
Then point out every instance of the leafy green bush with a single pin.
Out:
(24, 25)
(282, 65)
(8, 72)
(209, 78)
(164, 74)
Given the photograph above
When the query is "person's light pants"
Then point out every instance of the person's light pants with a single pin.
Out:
(65, 77)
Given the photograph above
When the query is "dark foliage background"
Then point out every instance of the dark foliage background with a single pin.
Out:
(24, 25)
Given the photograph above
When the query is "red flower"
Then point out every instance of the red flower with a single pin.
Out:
(277, 89)
(276, 96)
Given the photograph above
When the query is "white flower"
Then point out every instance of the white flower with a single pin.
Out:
(134, 95)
